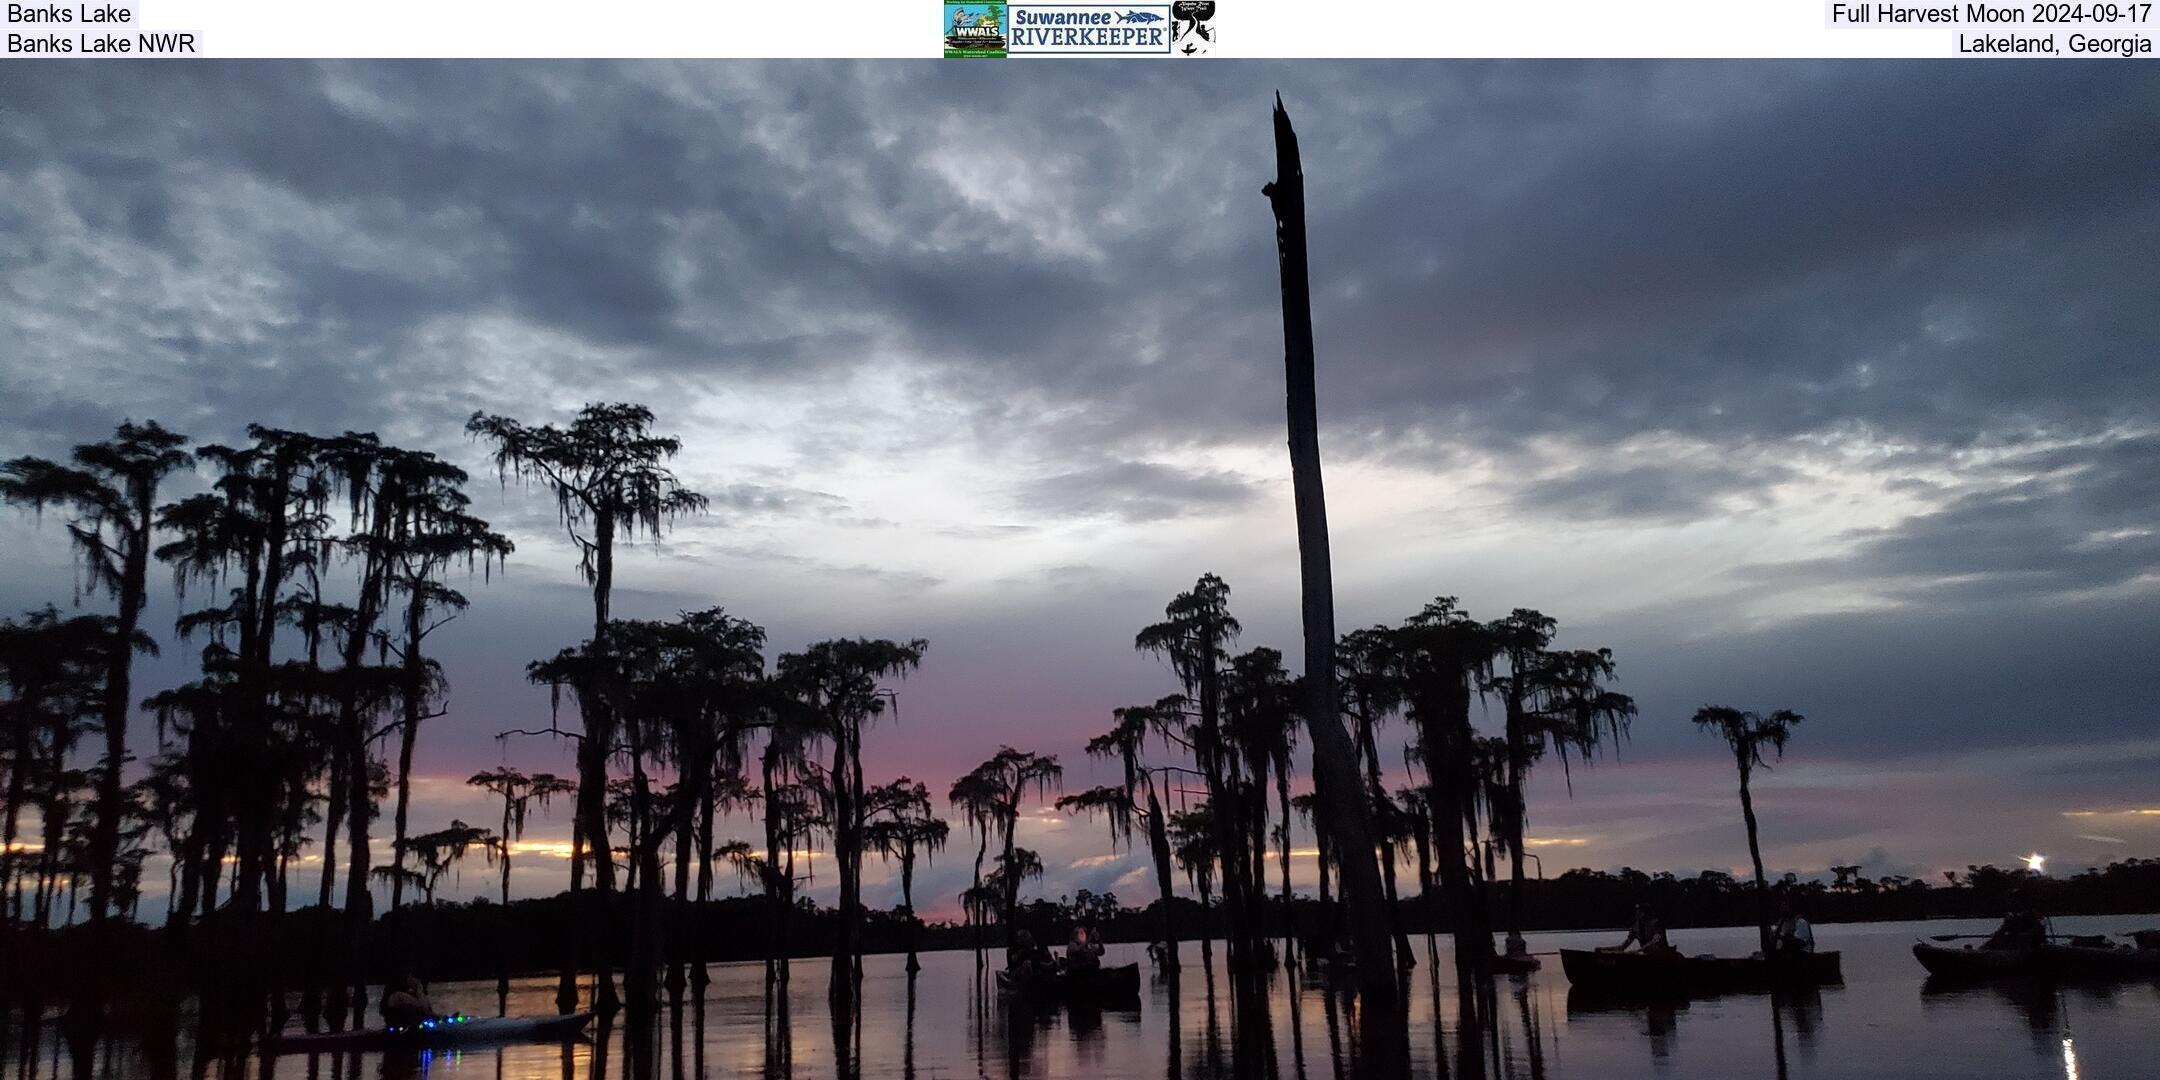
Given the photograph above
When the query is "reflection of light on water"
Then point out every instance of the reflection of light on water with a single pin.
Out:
(2069, 1060)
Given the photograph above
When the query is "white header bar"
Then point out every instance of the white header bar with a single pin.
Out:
(1197, 29)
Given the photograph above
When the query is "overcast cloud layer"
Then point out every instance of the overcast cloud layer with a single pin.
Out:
(1829, 387)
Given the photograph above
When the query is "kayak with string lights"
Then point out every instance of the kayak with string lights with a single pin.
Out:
(435, 1034)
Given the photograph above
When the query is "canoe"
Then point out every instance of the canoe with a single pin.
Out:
(1102, 986)
(435, 1034)
(2050, 961)
(1668, 974)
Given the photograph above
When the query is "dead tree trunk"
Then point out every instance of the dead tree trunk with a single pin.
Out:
(1345, 815)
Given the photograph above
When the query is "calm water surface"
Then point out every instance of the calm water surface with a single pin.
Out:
(1886, 1021)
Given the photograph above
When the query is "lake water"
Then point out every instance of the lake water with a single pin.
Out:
(1886, 1021)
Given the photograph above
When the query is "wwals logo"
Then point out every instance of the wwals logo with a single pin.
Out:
(974, 29)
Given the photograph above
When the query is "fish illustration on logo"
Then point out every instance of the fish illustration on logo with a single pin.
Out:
(1139, 17)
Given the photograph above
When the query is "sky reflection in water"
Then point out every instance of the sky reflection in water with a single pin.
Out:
(1887, 1021)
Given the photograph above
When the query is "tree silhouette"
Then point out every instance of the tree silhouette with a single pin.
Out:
(53, 670)
(164, 801)
(378, 482)
(975, 796)
(659, 682)
(1019, 865)
(440, 850)
(607, 473)
(907, 833)
(111, 489)
(792, 822)
(520, 794)
(436, 532)
(1192, 841)
(1344, 810)
(1392, 829)
(998, 787)
(1553, 701)
(250, 535)
(1519, 640)
(1194, 638)
(1261, 703)
(723, 699)
(838, 683)
(1748, 735)
(1436, 660)
(306, 684)
(1119, 805)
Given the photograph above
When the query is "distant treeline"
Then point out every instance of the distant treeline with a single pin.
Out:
(1588, 899)
(475, 940)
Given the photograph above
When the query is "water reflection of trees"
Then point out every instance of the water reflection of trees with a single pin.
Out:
(1801, 1010)
(2046, 1009)
(1533, 1035)
(907, 1053)
(1659, 1016)
(1306, 1027)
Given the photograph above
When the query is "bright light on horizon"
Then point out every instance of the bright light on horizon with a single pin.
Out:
(2036, 862)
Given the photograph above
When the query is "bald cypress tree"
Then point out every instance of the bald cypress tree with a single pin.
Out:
(111, 491)
(608, 474)
(246, 540)
(1754, 739)
(1436, 659)
(999, 786)
(435, 533)
(906, 833)
(1136, 797)
(839, 683)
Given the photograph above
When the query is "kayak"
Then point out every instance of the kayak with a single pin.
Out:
(2072, 961)
(435, 1034)
(1619, 973)
(1109, 985)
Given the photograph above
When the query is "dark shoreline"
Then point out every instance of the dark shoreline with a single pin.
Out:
(483, 939)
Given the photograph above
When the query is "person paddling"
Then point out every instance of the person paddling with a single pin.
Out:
(1792, 935)
(1083, 953)
(1026, 959)
(1648, 933)
(2023, 928)
(1516, 948)
(407, 1005)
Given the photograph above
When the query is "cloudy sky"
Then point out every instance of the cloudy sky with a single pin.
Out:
(1830, 387)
